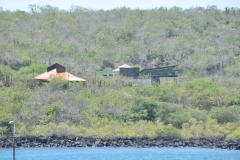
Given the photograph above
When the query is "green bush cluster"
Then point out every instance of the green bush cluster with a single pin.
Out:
(168, 132)
(235, 135)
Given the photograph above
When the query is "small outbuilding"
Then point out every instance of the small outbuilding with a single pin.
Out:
(124, 70)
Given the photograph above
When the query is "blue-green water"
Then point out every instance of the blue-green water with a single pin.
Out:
(120, 154)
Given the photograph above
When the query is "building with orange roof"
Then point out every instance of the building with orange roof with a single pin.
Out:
(58, 71)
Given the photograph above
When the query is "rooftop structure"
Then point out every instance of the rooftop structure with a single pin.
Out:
(58, 71)
(160, 74)
(167, 71)
(122, 66)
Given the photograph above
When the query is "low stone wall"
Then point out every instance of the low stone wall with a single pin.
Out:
(71, 141)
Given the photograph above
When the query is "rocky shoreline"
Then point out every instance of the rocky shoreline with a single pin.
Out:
(71, 141)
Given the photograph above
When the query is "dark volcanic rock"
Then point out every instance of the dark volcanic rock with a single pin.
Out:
(71, 141)
(238, 148)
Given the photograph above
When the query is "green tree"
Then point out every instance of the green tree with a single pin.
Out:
(51, 112)
(144, 109)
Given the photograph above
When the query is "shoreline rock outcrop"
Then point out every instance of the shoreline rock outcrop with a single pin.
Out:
(72, 141)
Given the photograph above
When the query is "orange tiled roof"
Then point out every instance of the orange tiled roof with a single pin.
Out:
(47, 76)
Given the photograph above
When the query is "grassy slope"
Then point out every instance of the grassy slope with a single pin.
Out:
(204, 42)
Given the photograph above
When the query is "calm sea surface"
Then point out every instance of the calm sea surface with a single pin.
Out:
(119, 154)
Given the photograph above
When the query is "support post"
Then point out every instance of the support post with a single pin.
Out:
(14, 132)
(13, 147)
(68, 80)
(95, 78)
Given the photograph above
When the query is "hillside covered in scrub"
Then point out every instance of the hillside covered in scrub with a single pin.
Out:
(204, 43)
